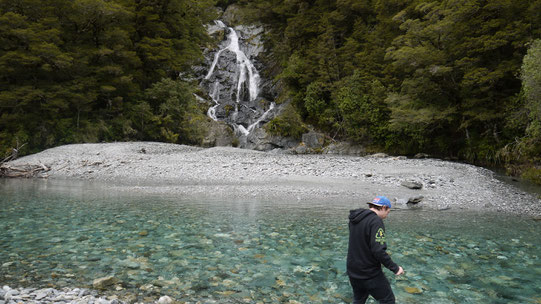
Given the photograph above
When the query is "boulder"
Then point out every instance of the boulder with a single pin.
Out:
(260, 140)
(313, 140)
(415, 200)
(412, 184)
(220, 135)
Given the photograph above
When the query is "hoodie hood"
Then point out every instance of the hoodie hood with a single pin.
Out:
(357, 215)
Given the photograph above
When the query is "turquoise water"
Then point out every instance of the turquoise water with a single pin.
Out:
(57, 234)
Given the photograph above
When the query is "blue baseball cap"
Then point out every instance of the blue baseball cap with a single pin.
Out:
(381, 201)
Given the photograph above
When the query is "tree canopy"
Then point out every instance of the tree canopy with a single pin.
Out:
(452, 78)
(440, 77)
(90, 70)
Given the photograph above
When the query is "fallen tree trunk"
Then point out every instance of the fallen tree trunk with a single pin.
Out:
(23, 171)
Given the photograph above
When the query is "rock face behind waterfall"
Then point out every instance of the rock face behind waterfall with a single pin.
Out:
(233, 86)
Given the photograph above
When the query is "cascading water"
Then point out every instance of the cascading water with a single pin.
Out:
(233, 83)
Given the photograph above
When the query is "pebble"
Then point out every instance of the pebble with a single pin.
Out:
(233, 172)
(10, 295)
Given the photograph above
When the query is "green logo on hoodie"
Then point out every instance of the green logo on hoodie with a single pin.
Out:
(380, 236)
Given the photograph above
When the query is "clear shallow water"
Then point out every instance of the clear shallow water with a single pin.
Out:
(55, 233)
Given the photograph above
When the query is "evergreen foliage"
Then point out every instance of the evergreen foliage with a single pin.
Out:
(440, 77)
(453, 78)
(98, 70)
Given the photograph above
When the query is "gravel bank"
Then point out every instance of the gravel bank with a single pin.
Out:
(10, 295)
(168, 169)
(160, 168)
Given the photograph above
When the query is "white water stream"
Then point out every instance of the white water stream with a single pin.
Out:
(248, 77)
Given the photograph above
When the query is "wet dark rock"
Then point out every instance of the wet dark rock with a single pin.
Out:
(415, 199)
(412, 184)
(260, 140)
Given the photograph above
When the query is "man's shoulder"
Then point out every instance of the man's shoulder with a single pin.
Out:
(375, 220)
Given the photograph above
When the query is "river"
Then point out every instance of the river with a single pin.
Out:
(68, 233)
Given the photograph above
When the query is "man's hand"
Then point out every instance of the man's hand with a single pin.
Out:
(400, 271)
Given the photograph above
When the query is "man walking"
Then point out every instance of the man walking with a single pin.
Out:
(366, 253)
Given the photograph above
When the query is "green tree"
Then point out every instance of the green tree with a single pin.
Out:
(76, 71)
(176, 114)
(365, 117)
(531, 84)
(168, 35)
(458, 60)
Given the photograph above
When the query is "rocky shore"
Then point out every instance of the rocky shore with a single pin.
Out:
(168, 169)
(160, 168)
(10, 295)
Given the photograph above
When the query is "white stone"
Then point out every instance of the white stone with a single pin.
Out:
(41, 296)
(165, 300)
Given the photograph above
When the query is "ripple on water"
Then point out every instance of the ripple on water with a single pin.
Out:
(248, 250)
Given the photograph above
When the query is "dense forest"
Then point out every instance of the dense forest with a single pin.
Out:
(97, 70)
(451, 78)
(455, 78)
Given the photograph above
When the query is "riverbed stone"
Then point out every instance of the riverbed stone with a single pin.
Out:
(165, 300)
(253, 173)
(413, 290)
(103, 283)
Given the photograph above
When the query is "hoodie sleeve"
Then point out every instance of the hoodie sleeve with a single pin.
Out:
(378, 245)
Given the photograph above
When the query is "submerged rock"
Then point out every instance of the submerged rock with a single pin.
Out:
(103, 283)
(165, 300)
(413, 290)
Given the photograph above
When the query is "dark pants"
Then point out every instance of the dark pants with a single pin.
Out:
(378, 287)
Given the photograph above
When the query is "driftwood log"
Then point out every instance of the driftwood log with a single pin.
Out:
(24, 171)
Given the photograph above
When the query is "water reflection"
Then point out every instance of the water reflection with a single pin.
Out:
(59, 233)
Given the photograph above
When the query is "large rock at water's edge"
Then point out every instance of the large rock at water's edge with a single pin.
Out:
(412, 184)
(220, 135)
(313, 140)
(103, 283)
(260, 140)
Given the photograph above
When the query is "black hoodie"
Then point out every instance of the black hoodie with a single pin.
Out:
(366, 252)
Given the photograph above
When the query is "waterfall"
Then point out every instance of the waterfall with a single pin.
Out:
(233, 83)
